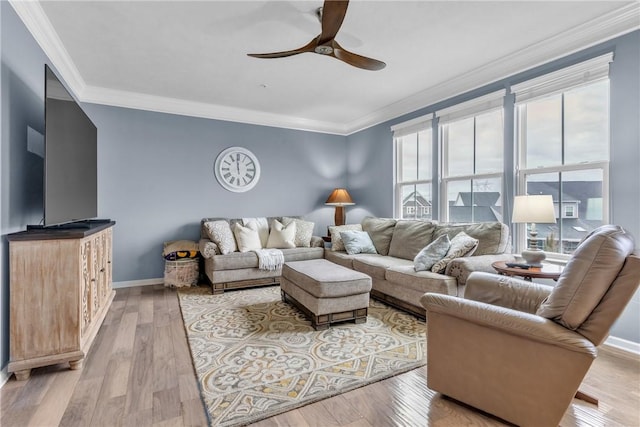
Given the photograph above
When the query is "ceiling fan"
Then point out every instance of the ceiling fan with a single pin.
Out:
(331, 16)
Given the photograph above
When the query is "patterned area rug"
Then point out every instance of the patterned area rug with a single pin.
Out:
(256, 356)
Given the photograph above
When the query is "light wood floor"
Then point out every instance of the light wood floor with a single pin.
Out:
(139, 373)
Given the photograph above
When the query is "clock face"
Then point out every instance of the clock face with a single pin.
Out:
(237, 169)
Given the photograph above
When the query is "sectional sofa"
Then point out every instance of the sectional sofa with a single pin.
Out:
(391, 268)
(397, 242)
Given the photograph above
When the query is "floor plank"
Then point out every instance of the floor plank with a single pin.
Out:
(139, 373)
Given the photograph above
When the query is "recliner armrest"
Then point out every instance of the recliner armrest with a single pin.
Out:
(506, 291)
(513, 322)
(462, 267)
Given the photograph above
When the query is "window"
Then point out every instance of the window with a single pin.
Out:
(472, 138)
(414, 168)
(569, 211)
(563, 146)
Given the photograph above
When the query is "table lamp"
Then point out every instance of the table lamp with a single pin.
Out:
(339, 198)
(533, 209)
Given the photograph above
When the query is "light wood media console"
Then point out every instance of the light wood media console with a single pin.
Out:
(60, 286)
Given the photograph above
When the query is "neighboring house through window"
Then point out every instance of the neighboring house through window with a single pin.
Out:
(414, 168)
(563, 143)
(472, 141)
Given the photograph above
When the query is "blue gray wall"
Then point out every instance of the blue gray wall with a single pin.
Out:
(156, 179)
(370, 168)
(156, 170)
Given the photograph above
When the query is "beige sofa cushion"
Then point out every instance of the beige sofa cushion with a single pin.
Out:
(423, 281)
(587, 277)
(409, 237)
(493, 236)
(240, 260)
(381, 231)
(376, 265)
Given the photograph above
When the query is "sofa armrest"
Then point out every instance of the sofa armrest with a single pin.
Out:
(505, 291)
(208, 249)
(512, 322)
(317, 242)
(461, 268)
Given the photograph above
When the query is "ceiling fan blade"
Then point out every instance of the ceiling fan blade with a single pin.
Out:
(355, 59)
(306, 48)
(333, 13)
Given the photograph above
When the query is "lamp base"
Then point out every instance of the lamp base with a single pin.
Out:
(339, 217)
(533, 257)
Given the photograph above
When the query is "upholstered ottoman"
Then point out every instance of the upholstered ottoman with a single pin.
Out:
(326, 292)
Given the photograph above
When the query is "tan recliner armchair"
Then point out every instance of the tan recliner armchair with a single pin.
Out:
(519, 350)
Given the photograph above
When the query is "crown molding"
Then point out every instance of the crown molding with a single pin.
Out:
(606, 27)
(38, 24)
(140, 101)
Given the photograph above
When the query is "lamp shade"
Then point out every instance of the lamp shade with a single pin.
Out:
(339, 197)
(536, 209)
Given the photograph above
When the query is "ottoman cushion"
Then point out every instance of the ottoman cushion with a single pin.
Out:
(324, 279)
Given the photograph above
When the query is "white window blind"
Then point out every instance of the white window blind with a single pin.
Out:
(471, 108)
(412, 126)
(562, 80)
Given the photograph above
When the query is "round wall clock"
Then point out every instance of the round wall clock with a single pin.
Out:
(237, 169)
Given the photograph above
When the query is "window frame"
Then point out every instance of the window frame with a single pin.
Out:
(411, 127)
(446, 179)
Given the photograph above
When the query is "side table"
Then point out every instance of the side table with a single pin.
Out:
(547, 271)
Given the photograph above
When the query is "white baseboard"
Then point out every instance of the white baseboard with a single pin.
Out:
(622, 344)
(132, 283)
(4, 376)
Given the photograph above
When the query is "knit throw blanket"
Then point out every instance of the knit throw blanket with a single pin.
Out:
(269, 259)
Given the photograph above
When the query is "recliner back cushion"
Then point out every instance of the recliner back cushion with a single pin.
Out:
(595, 264)
(409, 237)
(381, 231)
(493, 237)
(596, 327)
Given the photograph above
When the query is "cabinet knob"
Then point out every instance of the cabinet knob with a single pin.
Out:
(102, 270)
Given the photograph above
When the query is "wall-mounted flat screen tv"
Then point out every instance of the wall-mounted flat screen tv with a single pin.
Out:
(70, 157)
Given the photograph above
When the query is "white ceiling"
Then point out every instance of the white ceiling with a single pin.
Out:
(190, 58)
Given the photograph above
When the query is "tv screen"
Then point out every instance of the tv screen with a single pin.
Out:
(70, 157)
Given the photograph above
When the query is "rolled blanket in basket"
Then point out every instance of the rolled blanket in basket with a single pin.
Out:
(269, 259)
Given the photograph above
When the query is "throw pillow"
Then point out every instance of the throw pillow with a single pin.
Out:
(179, 246)
(304, 231)
(262, 225)
(281, 237)
(431, 253)
(461, 245)
(247, 238)
(220, 233)
(336, 239)
(357, 242)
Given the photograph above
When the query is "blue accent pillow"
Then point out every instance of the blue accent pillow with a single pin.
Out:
(432, 253)
(357, 242)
